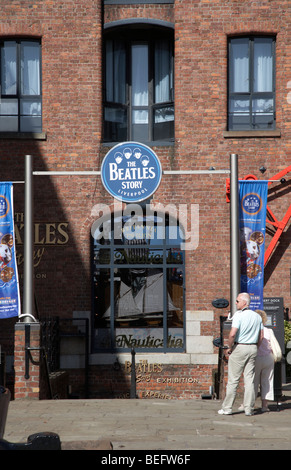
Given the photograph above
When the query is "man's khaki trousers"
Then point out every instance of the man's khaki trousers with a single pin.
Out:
(241, 360)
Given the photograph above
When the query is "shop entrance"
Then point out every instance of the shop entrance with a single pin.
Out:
(138, 286)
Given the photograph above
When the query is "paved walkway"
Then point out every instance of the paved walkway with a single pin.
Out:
(151, 424)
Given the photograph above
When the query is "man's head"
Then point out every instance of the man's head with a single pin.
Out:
(243, 300)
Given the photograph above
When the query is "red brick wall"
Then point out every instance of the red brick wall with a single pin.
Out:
(27, 374)
(70, 32)
(201, 32)
(166, 382)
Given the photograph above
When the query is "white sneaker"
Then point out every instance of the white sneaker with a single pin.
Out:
(223, 412)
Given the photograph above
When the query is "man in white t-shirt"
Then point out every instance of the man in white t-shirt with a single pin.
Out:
(244, 338)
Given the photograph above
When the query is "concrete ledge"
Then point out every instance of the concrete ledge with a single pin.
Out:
(252, 134)
(23, 135)
(199, 315)
(193, 328)
(211, 359)
(157, 358)
(199, 344)
(194, 358)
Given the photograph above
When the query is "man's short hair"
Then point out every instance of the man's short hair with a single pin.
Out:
(246, 297)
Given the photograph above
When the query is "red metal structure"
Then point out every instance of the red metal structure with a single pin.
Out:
(279, 225)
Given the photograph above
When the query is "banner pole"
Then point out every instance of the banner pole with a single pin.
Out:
(28, 284)
(234, 233)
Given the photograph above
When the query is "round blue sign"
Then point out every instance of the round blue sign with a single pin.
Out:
(131, 172)
(251, 203)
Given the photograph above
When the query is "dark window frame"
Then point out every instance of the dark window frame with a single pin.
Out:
(130, 34)
(112, 246)
(251, 94)
(18, 95)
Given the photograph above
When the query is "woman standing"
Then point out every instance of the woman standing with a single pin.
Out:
(264, 368)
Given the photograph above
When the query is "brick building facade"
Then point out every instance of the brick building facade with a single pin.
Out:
(78, 123)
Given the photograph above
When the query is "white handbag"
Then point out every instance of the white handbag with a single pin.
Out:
(276, 350)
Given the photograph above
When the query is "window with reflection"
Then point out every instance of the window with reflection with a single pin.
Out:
(139, 84)
(138, 285)
(20, 105)
(251, 75)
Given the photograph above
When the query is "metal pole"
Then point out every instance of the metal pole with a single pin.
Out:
(96, 173)
(234, 233)
(133, 375)
(28, 285)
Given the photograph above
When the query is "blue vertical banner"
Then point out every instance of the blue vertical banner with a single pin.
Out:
(252, 224)
(9, 285)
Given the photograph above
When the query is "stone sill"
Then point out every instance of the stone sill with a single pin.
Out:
(154, 143)
(23, 135)
(252, 134)
(158, 358)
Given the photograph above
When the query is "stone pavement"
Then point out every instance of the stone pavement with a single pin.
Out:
(151, 424)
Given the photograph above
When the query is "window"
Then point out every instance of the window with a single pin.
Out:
(20, 106)
(251, 100)
(139, 85)
(138, 286)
